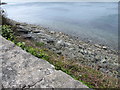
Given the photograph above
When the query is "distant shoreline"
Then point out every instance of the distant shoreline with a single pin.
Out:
(85, 40)
(2, 3)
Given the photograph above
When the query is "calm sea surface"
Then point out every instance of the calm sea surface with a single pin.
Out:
(97, 22)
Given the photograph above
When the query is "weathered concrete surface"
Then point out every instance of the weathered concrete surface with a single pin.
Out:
(22, 70)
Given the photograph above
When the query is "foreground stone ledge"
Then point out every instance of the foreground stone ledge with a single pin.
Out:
(22, 70)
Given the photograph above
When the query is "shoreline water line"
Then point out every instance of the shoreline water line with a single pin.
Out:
(86, 40)
(93, 22)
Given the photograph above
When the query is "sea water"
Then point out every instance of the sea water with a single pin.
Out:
(92, 21)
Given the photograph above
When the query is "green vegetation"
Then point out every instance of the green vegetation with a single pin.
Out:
(40, 44)
(6, 32)
(37, 52)
(90, 77)
(21, 44)
(34, 51)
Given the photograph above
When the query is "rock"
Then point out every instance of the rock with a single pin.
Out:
(97, 45)
(23, 24)
(89, 52)
(59, 52)
(36, 31)
(96, 60)
(52, 32)
(54, 49)
(71, 49)
(20, 27)
(85, 51)
(42, 31)
(28, 36)
(34, 27)
(60, 43)
(104, 47)
(50, 40)
(57, 35)
(18, 24)
(23, 70)
(23, 31)
(67, 44)
(103, 70)
(82, 51)
(80, 47)
(103, 61)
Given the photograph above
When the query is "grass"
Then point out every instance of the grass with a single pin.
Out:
(91, 77)
(40, 44)
(34, 51)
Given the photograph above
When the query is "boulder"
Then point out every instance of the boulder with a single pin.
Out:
(60, 43)
(52, 32)
(104, 47)
(59, 52)
(27, 36)
(23, 31)
(67, 44)
(50, 40)
(36, 31)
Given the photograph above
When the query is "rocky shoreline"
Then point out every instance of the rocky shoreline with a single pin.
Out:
(96, 56)
(19, 72)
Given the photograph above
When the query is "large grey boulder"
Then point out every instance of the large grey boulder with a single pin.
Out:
(22, 70)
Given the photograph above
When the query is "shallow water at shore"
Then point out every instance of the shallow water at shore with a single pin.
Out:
(89, 21)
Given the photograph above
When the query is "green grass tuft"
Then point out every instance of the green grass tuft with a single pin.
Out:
(40, 44)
